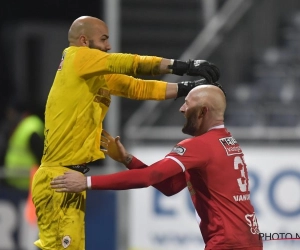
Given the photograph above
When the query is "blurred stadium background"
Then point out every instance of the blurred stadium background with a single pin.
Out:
(256, 44)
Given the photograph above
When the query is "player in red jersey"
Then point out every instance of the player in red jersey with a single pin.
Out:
(210, 164)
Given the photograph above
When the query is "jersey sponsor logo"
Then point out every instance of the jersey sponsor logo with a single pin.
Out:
(252, 223)
(61, 61)
(103, 96)
(104, 92)
(103, 100)
(66, 241)
(231, 146)
(179, 150)
(242, 197)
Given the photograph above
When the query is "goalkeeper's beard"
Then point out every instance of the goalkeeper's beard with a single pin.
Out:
(190, 127)
(93, 46)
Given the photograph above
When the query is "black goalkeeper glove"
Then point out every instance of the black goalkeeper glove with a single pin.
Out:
(185, 87)
(196, 68)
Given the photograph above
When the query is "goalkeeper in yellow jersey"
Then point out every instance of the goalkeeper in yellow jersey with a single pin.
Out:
(77, 104)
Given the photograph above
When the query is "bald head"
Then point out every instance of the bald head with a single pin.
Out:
(210, 96)
(86, 29)
(204, 108)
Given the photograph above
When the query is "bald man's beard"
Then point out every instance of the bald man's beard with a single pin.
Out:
(190, 127)
(93, 46)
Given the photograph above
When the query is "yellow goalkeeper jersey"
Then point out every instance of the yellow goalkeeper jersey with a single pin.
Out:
(80, 97)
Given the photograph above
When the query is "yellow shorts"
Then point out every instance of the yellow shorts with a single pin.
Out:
(60, 215)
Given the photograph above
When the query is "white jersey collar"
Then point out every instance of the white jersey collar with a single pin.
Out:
(217, 127)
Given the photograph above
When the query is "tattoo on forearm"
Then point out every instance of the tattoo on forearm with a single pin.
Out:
(128, 159)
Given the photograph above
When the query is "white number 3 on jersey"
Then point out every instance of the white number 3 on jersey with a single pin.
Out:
(239, 164)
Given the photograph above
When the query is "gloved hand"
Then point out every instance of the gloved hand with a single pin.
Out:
(196, 68)
(185, 87)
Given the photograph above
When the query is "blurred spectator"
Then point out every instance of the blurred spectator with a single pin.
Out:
(24, 132)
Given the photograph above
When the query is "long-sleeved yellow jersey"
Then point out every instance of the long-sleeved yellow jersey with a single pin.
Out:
(80, 96)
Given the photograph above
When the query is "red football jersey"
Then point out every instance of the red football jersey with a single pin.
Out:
(217, 179)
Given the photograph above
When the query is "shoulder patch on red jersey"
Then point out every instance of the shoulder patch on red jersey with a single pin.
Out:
(230, 145)
(179, 150)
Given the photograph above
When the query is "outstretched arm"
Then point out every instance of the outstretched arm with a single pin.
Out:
(73, 181)
(139, 89)
(168, 187)
(89, 62)
(157, 173)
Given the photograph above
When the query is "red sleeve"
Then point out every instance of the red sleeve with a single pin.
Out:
(172, 185)
(168, 187)
(137, 178)
(136, 164)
